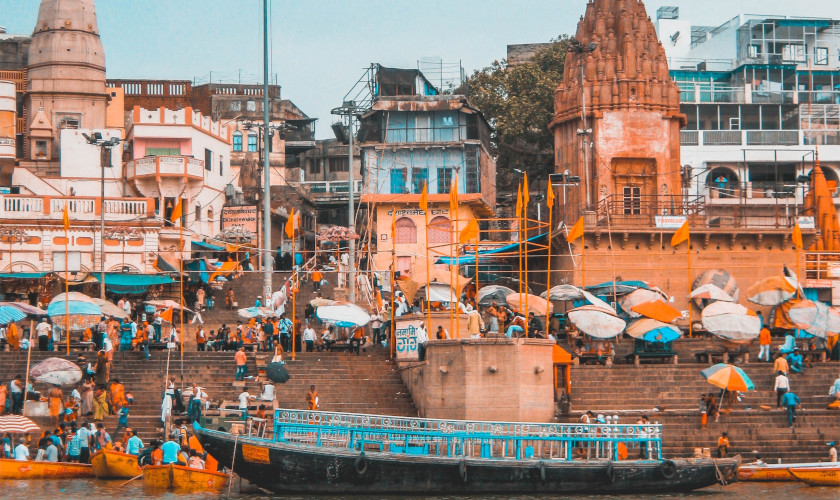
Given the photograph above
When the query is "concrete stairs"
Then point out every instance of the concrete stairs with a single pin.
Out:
(629, 391)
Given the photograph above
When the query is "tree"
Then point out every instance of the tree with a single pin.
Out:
(518, 101)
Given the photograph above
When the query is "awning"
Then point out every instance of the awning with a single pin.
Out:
(132, 283)
(470, 259)
(197, 270)
(163, 266)
(23, 275)
(203, 245)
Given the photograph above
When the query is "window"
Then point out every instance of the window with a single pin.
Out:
(221, 164)
(632, 200)
(163, 151)
(444, 180)
(40, 148)
(406, 231)
(419, 177)
(198, 212)
(398, 181)
(315, 166)
(337, 164)
(235, 106)
(251, 105)
(440, 231)
(252, 143)
(752, 51)
(821, 56)
(472, 172)
(237, 141)
(208, 159)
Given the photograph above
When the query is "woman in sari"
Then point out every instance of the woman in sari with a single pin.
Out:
(118, 399)
(87, 397)
(101, 369)
(100, 404)
(13, 337)
(54, 397)
(71, 410)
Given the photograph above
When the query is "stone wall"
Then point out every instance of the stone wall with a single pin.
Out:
(483, 379)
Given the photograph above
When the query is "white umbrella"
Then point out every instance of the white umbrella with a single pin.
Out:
(254, 312)
(439, 292)
(563, 293)
(772, 291)
(731, 321)
(639, 296)
(343, 314)
(110, 309)
(595, 301)
(56, 371)
(815, 318)
(489, 293)
(710, 291)
(595, 321)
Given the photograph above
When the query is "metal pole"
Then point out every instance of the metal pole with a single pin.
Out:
(583, 137)
(102, 232)
(267, 261)
(351, 217)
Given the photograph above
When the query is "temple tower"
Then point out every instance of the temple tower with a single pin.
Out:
(632, 155)
(66, 75)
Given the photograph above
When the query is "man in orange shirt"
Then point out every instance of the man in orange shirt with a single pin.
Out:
(316, 278)
(764, 344)
(241, 366)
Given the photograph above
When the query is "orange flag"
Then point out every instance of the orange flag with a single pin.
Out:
(470, 232)
(67, 218)
(453, 198)
(177, 213)
(393, 227)
(549, 197)
(424, 197)
(519, 202)
(681, 234)
(797, 236)
(290, 224)
(576, 231)
(166, 315)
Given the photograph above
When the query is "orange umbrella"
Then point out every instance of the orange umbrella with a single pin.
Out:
(536, 305)
(772, 291)
(658, 310)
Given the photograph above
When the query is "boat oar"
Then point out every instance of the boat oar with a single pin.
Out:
(132, 479)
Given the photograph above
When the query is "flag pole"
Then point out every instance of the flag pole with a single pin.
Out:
(425, 208)
(583, 260)
(292, 288)
(548, 265)
(66, 283)
(690, 321)
(391, 337)
(181, 286)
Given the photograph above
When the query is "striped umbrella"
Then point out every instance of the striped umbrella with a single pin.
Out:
(17, 424)
(26, 308)
(728, 377)
(652, 330)
(10, 314)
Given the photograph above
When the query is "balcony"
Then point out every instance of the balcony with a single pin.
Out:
(331, 190)
(79, 208)
(157, 167)
(752, 138)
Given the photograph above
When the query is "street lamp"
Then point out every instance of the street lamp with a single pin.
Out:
(585, 133)
(95, 139)
(349, 109)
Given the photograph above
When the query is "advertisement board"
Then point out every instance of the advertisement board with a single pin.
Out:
(245, 216)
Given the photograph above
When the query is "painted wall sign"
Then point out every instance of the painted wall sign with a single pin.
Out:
(255, 454)
(406, 340)
(245, 216)
(669, 221)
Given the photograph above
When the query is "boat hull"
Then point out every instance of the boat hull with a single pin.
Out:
(109, 464)
(183, 479)
(286, 468)
(817, 476)
(15, 469)
(771, 472)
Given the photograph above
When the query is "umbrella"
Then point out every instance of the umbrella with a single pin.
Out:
(721, 279)
(320, 301)
(343, 315)
(815, 318)
(728, 377)
(17, 424)
(10, 314)
(651, 330)
(564, 293)
(110, 309)
(596, 321)
(595, 301)
(492, 293)
(536, 305)
(658, 310)
(731, 321)
(26, 308)
(639, 296)
(56, 371)
(772, 291)
(616, 287)
(84, 313)
(439, 292)
(254, 312)
(276, 372)
(166, 304)
(711, 292)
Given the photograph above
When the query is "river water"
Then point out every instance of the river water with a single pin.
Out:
(92, 489)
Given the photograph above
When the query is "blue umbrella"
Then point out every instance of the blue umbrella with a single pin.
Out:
(651, 330)
(728, 377)
(80, 304)
(10, 314)
(664, 335)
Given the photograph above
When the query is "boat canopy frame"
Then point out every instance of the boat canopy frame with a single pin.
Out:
(463, 438)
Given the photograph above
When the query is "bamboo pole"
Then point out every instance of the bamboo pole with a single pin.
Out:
(428, 281)
(292, 287)
(548, 267)
(456, 311)
(181, 292)
(28, 360)
(66, 287)
(391, 336)
(690, 326)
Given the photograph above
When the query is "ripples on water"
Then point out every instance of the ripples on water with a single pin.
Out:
(91, 489)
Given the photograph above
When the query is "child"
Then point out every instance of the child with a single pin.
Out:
(122, 422)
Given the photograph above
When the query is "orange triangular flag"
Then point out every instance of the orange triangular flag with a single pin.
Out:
(67, 218)
(519, 202)
(470, 232)
(177, 213)
(549, 197)
(576, 231)
(797, 236)
(166, 315)
(424, 197)
(681, 234)
(453, 197)
(290, 224)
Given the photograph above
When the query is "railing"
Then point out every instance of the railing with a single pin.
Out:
(752, 137)
(822, 266)
(772, 137)
(167, 166)
(689, 138)
(331, 187)
(79, 208)
(821, 138)
(459, 438)
(722, 137)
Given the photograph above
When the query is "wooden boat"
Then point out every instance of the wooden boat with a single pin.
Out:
(16, 469)
(372, 454)
(771, 472)
(109, 464)
(183, 479)
(818, 476)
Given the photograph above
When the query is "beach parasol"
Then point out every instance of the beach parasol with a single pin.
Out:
(815, 318)
(343, 315)
(254, 312)
(731, 321)
(721, 279)
(772, 291)
(110, 309)
(651, 330)
(596, 321)
(595, 301)
(492, 293)
(56, 371)
(536, 305)
(26, 308)
(710, 292)
(658, 310)
(17, 424)
(276, 372)
(728, 377)
(84, 313)
(320, 301)
(10, 314)
(563, 293)
(639, 296)
(616, 287)
(166, 304)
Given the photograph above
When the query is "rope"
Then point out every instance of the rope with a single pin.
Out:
(718, 474)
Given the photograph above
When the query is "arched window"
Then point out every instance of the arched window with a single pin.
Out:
(237, 141)
(723, 182)
(406, 231)
(440, 232)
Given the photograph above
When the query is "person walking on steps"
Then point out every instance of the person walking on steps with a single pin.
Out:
(781, 387)
(790, 401)
(764, 344)
(241, 364)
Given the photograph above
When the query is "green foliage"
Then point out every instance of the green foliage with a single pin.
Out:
(518, 102)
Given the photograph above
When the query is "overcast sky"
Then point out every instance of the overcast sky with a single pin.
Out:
(321, 48)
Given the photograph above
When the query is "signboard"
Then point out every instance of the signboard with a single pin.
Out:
(74, 262)
(405, 333)
(806, 222)
(255, 454)
(416, 211)
(245, 216)
(669, 221)
(811, 283)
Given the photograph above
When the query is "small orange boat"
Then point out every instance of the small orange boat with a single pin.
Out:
(771, 472)
(109, 464)
(817, 476)
(183, 479)
(17, 469)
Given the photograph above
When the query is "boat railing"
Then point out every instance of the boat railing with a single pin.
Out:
(459, 438)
